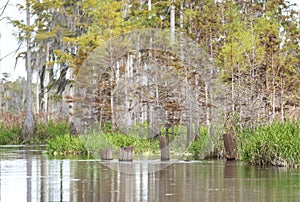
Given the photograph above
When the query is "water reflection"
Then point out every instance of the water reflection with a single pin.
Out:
(27, 174)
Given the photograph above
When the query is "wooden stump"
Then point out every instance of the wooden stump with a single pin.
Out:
(73, 130)
(230, 144)
(164, 148)
(126, 153)
(106, 154)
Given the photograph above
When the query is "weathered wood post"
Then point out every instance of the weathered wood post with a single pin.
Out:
(106, 154)
(126, 153)
(73, 130)
(230, 144)
(164, 148)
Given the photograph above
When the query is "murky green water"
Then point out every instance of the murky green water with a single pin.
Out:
(28, 174)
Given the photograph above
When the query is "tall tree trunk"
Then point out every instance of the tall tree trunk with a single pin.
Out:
(2, 81)
(46, 80)
(1, 90)
(149, 5)
(37, 93)
(274, 89)
(282, 99)
(28, 125)
(172, 23)
(208, 109)
(181, 16)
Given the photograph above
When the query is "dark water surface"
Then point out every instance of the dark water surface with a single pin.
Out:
(28, 174)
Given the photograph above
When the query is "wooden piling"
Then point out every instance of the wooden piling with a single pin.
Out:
(126, 153)
(230, 144)
(164, 148)
(106, 154)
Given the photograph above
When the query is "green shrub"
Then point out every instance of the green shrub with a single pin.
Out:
(9, 136)
(51, 129)
(199, 148)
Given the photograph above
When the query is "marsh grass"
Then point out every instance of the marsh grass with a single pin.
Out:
(11, 127)
(65, 145)
(95, 141)
(269, 143)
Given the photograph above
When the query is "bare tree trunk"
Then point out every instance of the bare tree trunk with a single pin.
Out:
(181, 16)
(149, 5)
(282, 100)
(71, 104)
(232, 92)
(113, 122)
(172, 23)
(208, 108)
(273, 90)
(1, 92)
(46, 80)
(37, 94)
(28, 125)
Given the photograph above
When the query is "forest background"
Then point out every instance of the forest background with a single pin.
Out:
(253, 45)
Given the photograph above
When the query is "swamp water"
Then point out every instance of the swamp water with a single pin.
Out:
(28, 174)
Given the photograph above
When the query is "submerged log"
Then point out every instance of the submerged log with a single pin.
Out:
(106, 154)
(126, 153)
(230, 144)
(164, 148)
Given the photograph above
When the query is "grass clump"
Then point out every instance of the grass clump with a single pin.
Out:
(65, 144)
(275, 144)
(140, 145)
(205, 146)
(51, 129)
(95, 141)
(9, 135)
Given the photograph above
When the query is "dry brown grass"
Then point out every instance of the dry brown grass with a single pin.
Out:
(11, 120)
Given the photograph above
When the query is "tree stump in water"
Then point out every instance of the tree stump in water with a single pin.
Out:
(106, 154)
(126, 153)
(230, 144)
(164, 148)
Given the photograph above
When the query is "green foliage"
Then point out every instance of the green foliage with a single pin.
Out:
(44, 131)
(9, 136)
(200, 148)
(139, 145)
(51, 129)
(95, 141)
(65, 144)
(268, 143)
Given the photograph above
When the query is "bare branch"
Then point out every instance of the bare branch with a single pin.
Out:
(12, 52)
(3, 9)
